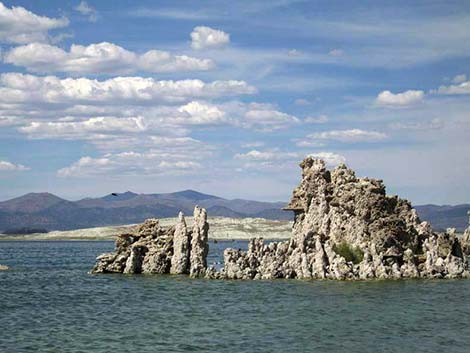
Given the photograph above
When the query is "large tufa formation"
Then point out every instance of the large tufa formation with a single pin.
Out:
(348, 228)
(154, 249)
(345, 228)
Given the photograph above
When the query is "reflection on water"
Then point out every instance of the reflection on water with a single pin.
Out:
(48, 303)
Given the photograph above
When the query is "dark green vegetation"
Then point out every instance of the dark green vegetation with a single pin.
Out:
(350, 253)
(25, 230)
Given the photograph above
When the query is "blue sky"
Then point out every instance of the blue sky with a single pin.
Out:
(228, 97)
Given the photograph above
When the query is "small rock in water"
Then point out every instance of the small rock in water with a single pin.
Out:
(4, 268)
(154, 249)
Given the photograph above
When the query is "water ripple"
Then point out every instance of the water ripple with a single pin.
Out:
(48, 303)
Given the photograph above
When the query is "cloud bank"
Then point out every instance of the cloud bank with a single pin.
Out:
(19, 26)
(100, 58)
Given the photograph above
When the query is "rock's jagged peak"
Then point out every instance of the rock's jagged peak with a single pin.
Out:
(337, 204)
(315, 175)
(348, 228)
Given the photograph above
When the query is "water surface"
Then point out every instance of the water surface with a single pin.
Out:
(48, 303)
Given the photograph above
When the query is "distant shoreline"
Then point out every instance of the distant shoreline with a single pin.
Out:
(221, 228)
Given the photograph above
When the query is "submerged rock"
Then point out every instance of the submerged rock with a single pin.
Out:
(154, 249)
(348, 228)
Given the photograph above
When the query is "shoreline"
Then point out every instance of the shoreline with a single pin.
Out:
(20, 238)
(221, 228)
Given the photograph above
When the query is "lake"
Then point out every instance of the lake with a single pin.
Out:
(49, 303)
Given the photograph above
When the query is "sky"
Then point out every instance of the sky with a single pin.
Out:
(227, 97)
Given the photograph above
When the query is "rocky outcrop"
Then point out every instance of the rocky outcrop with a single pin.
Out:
(199, 246)
(181, 247)
(347, 228)
(158, 250)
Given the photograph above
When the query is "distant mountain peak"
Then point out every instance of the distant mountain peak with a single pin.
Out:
(44, 194)
(192, 195)
(35, 196)
(120, 196)
(31, 202)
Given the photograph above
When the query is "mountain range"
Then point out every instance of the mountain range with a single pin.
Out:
(446, 216)
(49, 212)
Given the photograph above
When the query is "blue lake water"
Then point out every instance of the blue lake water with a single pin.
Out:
(48, 303)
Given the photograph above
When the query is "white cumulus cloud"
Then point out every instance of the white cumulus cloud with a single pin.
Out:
(22, 88)
(329, 157)
(196, 113)
(352, 135)
(86, 165)
(167, 121)
(19, 26)
(131, 163)
(92, 128)
(308, 143)
(11, 167)
(457, 89)
(267, 119)
(126, 125)
(100, 58)
(203, 37)
(275, 159)
(87, 10)
(256, 155)
(387, 98)
(459, 78)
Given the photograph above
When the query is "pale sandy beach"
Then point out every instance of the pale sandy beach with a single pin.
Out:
(220, 228)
